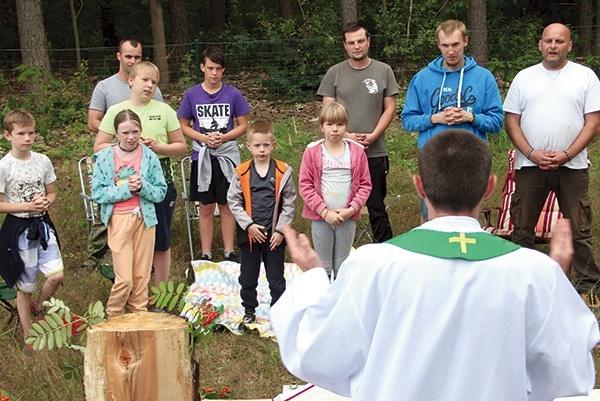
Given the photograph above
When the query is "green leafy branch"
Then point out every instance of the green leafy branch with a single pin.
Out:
(201, 316)
(60, 326)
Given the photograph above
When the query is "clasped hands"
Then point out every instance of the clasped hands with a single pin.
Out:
(40, 203)
(548, 159)
(336, 217)
(134, 182)
(453, 116)
(214, 139)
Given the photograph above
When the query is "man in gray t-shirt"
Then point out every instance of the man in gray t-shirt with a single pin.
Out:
(108, 92)
(115, 89)
(368, 89)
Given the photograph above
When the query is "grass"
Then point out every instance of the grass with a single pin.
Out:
(249, 365)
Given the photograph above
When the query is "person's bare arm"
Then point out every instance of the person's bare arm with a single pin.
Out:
(389, 112)
(39, 203)
(540, 157)
(94, 119)
(585, 137)
(242, 127)
(326, 100)
(190, 132)
(176, 146)
(103, 140)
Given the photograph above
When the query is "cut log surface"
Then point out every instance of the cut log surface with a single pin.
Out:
(135, 357)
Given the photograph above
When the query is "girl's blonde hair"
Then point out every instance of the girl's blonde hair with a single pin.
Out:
(335, 113)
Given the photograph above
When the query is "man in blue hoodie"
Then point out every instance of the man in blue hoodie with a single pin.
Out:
(452, 92)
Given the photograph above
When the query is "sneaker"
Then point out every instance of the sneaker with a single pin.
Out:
(206, 257)
(232, 257)
(249, 318)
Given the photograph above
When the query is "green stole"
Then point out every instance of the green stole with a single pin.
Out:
(444, 245)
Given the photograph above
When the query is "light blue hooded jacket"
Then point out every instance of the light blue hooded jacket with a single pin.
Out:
(106, 193)
(434, 88)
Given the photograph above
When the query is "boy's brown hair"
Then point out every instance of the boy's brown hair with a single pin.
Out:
(18, 117)
(260, 127)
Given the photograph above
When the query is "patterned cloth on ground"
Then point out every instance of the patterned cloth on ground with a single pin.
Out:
(219, 281)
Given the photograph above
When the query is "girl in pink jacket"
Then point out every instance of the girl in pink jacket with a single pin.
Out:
(335, 184)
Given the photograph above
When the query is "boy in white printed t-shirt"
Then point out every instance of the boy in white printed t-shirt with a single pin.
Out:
(26, 193)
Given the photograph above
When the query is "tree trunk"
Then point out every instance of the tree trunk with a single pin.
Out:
(216, 12)
(585, 27)
(74, 16)
(107, 19)
(141, 356)
(286, 9)
(160, 43)
(180, 36)
(478, 31)
(348, 11)
(597, 36)
(32, 34)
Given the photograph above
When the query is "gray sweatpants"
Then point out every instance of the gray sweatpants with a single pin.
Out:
(333, 243)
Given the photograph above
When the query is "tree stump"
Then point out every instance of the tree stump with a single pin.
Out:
(141, 356)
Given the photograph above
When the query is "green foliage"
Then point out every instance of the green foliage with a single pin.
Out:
(201, 317)
(514, 47)
(188, 69)
(59, 106)
(411, 33)
(60, 326)
(166, 296)
(303, 59)
(71, 372)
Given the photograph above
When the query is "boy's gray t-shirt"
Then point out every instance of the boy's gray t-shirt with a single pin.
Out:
(362, 91)
(111, 91)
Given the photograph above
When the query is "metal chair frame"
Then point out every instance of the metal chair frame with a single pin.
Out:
(192, 208)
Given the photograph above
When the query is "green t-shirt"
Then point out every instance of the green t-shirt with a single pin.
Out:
(158, 119)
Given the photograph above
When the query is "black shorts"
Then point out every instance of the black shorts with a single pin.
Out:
(217, 190)
(164, 214)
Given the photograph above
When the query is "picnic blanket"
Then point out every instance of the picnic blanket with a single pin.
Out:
(219, 281)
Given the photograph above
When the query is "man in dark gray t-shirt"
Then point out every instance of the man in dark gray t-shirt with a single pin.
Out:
(368, 89)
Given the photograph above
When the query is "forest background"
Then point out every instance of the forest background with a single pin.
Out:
(52, 52)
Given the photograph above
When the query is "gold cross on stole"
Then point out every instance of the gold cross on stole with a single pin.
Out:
(463, 240)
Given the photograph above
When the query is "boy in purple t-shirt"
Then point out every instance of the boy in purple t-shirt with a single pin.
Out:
(213, 106)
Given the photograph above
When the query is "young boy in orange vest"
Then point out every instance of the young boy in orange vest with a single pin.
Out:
(262, 198)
